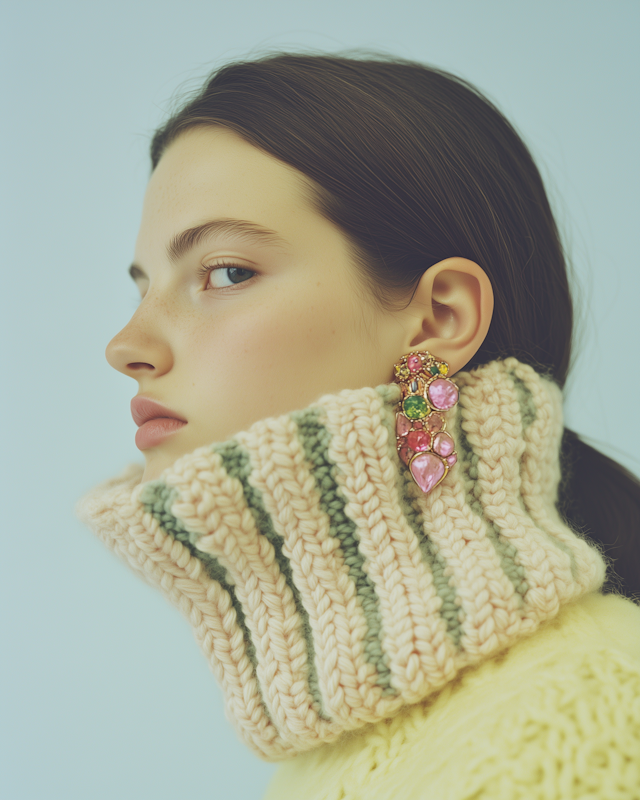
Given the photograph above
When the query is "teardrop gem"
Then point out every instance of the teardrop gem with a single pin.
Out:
(428, 470)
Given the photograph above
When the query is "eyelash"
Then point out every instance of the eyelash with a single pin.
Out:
(204, 272)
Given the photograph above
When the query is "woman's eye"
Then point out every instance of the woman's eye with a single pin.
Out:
(226, 275)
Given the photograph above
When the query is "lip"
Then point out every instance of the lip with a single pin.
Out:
(155, 422)
(144, 408)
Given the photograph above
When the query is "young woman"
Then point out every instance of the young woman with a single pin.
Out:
(354, 330)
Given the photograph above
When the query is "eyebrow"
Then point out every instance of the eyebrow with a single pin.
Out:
(242, 229)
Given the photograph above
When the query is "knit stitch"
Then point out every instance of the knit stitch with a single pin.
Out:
(554, 717)
(326, 590)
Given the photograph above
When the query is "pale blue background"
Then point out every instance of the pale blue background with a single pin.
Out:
(105, 692)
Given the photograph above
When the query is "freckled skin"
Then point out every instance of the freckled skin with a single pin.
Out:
(302, 326)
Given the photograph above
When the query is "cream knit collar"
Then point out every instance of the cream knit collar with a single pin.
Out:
(326, 590)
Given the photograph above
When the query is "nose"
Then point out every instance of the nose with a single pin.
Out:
(140, 347)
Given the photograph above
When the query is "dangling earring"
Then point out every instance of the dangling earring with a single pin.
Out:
(421, 438)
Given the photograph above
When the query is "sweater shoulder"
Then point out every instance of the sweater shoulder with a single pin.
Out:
(555, 716)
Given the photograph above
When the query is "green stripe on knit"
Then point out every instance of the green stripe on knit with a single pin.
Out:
(525, 400)
(157, 498)
(315, 439)
(528, 415)
(408, 493)
(507, 552)
(237, 463)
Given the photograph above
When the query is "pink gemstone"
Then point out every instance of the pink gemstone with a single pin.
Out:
(417, 423)
(443, 444)
(403, 425)
(433, 423)
(419, 440)
(443, 393)
(414, 363)
(427, 469)
(405, 453)
(451, 460)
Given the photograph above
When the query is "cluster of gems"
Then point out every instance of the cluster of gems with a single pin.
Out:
(422, 441)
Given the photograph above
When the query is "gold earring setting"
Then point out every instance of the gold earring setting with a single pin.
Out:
(422, 441)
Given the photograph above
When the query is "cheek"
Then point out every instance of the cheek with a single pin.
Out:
(270, 348)
(270, 335)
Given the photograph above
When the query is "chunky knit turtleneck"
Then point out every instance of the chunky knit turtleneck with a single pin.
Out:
(326, 590)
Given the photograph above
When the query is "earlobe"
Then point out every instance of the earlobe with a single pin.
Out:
(451, 311)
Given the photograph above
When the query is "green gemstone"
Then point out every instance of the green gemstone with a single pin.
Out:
(415, 407)
(434, 370)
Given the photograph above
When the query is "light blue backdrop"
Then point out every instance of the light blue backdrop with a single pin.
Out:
(105, 692)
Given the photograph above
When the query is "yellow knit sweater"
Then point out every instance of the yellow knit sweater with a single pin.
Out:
(556, 717)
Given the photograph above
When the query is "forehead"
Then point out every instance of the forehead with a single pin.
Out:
(211, 171)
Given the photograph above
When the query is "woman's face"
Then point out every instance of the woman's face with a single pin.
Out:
(236, 325)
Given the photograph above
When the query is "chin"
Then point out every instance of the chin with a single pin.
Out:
(164, 455)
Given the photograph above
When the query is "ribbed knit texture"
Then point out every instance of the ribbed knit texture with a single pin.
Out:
(555, 717)
(326, 590)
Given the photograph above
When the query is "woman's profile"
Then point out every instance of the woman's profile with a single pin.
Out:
(354, 329)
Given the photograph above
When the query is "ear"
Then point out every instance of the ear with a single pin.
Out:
(450, 311)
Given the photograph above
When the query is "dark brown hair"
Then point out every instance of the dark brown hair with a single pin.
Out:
(415, 165)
